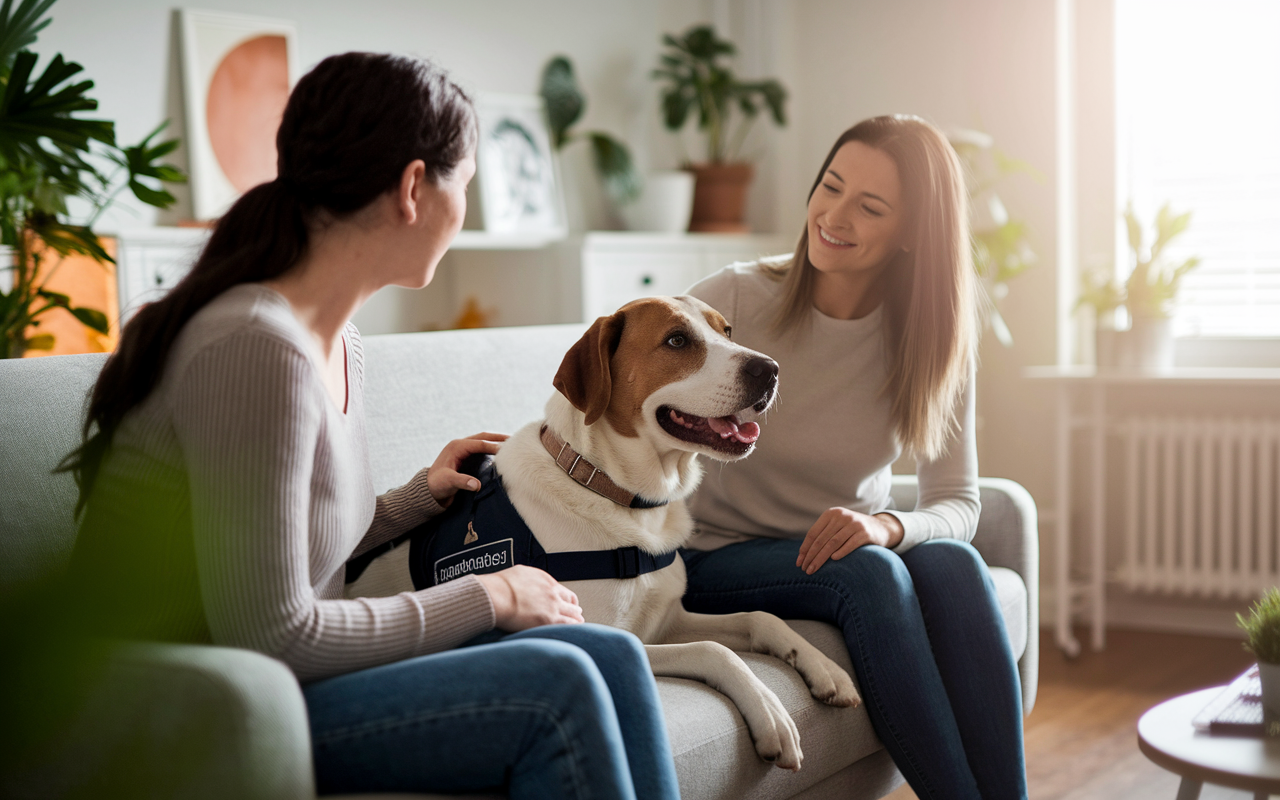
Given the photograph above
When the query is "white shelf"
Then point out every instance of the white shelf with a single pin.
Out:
(481, 240)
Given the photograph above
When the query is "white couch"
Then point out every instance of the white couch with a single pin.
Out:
(200, 721)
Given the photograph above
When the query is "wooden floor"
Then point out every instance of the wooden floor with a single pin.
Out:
(1081, 738)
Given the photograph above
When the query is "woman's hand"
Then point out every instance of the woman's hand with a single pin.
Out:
(444, 480)
(526, 597)
(839, 531)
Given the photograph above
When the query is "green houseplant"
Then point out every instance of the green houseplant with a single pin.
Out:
(1262, 627)
(49, 154)
(1148, 294)
(696, 81)
(565, 105)
(1001, 246)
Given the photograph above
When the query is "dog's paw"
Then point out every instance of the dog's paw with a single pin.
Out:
(776, 737)
(827, 681)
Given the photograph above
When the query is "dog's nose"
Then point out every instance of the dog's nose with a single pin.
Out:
(759, 366)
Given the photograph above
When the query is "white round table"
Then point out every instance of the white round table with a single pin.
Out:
(1165, 736)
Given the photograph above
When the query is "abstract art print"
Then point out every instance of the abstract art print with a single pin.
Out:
(519, 184)
(237, 73)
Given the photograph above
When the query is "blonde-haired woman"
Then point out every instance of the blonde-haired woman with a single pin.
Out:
(872, 322)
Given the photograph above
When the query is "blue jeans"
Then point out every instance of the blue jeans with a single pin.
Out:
(928, 643)
(566, 711)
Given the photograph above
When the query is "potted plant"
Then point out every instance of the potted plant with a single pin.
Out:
(1101, 292)
(695, 80)
(1262, 628)
(565, 105)
(1152, 287)
(48, 154)
(1000, 244)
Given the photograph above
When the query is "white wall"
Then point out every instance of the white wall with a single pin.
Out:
(497, 45)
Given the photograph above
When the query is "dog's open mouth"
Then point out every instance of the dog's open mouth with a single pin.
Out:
(726, 434)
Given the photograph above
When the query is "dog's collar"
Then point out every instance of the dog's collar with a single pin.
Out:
(588, 474)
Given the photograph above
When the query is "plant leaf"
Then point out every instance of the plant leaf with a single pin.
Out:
(92, 318)
(56, 298)
(564, 102)
(43, 341)
(613, 160)
(19, 28)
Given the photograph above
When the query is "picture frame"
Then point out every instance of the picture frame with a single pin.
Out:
(238, 71)
(517, 173)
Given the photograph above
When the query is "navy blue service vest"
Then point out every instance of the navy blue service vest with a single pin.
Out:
(482, 532)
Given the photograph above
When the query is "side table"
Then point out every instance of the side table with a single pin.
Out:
(1165, 736)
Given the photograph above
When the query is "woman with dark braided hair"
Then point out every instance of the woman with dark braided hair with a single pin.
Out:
(225, 479)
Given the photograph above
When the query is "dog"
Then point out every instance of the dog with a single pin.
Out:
(638, 399)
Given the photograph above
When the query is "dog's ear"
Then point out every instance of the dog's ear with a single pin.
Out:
(583, 377)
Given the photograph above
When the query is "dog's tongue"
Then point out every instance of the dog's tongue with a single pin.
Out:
(746, 432)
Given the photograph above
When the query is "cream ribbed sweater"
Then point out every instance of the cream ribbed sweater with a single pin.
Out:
(234, 495)
(828, 441)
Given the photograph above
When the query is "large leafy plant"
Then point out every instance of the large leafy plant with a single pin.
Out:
(1000, 242)
(565, 104)
(696, 80)
(48, 155)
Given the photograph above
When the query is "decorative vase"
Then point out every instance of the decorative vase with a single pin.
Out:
(664, 205)
(1151, 341)
(720, 197)
(1269, 675)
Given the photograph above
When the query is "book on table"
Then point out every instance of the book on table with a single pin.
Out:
(1237, 710)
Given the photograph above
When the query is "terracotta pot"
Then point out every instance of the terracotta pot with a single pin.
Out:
(720, 197)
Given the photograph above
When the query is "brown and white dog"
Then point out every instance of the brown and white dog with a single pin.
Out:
(640, 396)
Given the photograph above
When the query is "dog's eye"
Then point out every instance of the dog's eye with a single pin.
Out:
(677, 340)
(728, 331)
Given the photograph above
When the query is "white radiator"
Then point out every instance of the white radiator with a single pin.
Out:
(1201, 514)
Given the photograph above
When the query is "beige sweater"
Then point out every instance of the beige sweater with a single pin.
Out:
(234, 495)
(828, 441)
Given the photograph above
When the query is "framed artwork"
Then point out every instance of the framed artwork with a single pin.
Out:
(519, 181)
(237, 73)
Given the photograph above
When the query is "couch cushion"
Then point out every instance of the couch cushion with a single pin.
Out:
(42, 403)
(1012, 593)
(713, 751)
(423, 378)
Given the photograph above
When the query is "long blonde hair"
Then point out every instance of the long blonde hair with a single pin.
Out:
(929, 291)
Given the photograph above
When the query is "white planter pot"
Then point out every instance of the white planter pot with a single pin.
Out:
(1269, 674)
(1151, 339)
(665, 204)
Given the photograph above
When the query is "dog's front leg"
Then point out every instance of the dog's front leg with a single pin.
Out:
(774, 732)
(761, 632)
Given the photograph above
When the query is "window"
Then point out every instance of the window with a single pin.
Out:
(1198, 125)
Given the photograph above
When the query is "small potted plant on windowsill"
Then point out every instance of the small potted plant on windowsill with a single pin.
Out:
(1263, 629)
(1151, 289)
(1101, 292)
(696, 81)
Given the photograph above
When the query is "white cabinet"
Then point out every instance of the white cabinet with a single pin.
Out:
(527, 282)
(620, 267)
(150, 261)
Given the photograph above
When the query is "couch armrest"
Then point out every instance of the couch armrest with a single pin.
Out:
(181, 721)
(1008, 536)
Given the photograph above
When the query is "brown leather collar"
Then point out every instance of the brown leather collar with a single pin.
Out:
(588, 474)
